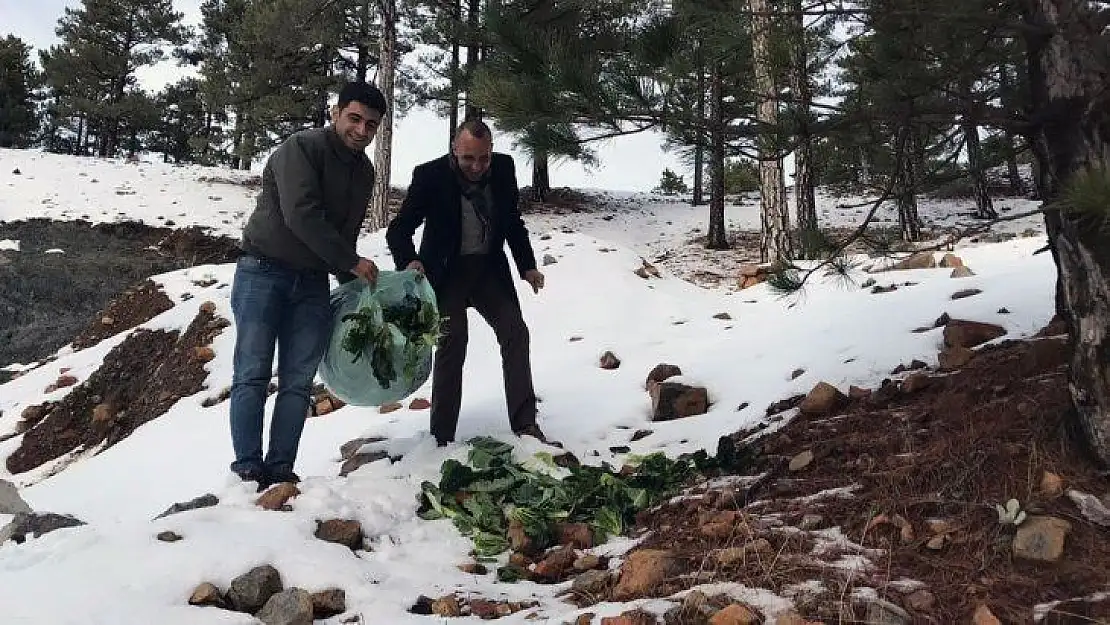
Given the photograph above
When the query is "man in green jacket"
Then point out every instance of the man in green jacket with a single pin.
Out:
(315, 191)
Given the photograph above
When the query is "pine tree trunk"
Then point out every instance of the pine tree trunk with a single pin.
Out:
(473, 53)
(1066, 84)
(805, 199)
(541, 177)
(456, 61)
(699, 143)
(775, 244)
(1017, 185)
(362, 62)
(378, 216)
(984, 208)
(716, 238)
(908, 219)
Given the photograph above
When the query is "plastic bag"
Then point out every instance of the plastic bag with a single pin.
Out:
(382, 338)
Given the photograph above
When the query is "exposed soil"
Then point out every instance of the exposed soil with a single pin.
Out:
(133, 307)
(894, 472)
(120, 396)
(47, 299)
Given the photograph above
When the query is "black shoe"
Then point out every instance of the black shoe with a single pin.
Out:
(253, 474)
(279, 476)
(535, 432)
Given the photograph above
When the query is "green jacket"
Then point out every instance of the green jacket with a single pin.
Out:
(315, 193)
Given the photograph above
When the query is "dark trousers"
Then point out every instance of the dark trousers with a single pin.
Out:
(474, 283)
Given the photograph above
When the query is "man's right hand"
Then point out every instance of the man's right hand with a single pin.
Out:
(366, 269)
(416, 266)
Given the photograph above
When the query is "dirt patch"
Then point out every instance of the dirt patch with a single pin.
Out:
(897, 502)
(139, 380)
(133, 307)
(47, 299)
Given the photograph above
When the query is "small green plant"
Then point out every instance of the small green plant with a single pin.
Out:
(1011, 513)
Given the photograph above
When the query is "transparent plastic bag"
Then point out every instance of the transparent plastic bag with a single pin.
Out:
(382, 338)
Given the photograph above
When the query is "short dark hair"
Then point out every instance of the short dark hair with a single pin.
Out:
(364, 93)
(474, 126)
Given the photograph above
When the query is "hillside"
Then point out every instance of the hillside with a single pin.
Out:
(948, 403)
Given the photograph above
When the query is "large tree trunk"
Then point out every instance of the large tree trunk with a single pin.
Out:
(805, 200)
(1067, 84)
(984, 208)
(378, 216)
(775, 244)
(456, 60)
(699, 142)
(908, 219)
(541, 177)
(362, 62)
(473, 53)
(717, 239)
(1017, 185)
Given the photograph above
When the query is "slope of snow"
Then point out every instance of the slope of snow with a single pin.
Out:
(115, 571)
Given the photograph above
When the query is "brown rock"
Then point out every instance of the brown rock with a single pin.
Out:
(633, 617)
(740, 555)
(204, 353)
(801, 461)
(556, 564)
(277, 496)
(723, 316)
(577, 535)
(962, 272)
(473, 568)
(920, 260)
(208, 308)
(950, 261)
(485, 609)
(587, 562)
(609, 360)
(660, 373)
(585, 619)
(350, 448)
(357, 461)
(857, 393)
(65, 381)
(965, 293)
(752, 271)
(420, 404)
(518, 539)
(673, 400)
(797, 373)
(953, 358)
(393, 406)
(1041, 538)
(642, 572)
(822, 399)
(921, 600)
(1052, 484)
(34, 414)
(328, 603)
(984, 616)
(103, 413)
(207, 594)
(324, 407)
(964, 333)
(915, 382)
(169, 537)
(735, 614)
(447, 607)
(342, 532)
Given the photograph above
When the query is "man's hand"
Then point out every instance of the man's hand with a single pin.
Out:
(416, 266)
(366, 269)
(534, 278)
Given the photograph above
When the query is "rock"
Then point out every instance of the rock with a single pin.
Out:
(35, 524)
(16, 172)
(208, 308)
(350, 448)
(328, 603)
(341, 532)
(356, 462)
(984, 616)
(204, 353)
(738, 556)
(735, 614)
(587, 562)
(548, 259)
(674, 400)
(936, 543)
(797, 373)
(964, 333)
(953, 358)
(277, 496)
(950, 261)
(857, 393)
(420, 404)
(577, 535)
(1003, 311)
(916, 382)
(609, 360)
(555, 565)
(65, 381)
(641, 572)
(801, 461)
(1052, 484)
(661, 372)
(447, 607)
(204, 501)
(473, 568)
(965, 293)
(207, 594)
(292, 606)
(34, 414)
(962, 272)
(169, 537)
(107, 321)
(392, 406)
(324, 407)
(1092, 508)
(1041, 538)
(640, 435)
(920, 260)
(723, 316)
(10, 500)
(921, 600)
(822, 399)
(632, 617)
(881, 612)
(251, 590)
(592, 583)
(103, 413)
(811, 522)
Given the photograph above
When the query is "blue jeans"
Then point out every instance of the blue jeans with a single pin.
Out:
(275, 305)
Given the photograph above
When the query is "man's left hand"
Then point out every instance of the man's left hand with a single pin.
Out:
(534, 278)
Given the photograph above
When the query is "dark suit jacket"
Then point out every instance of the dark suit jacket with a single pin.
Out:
(434, 198)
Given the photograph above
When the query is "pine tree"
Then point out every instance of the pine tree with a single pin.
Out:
(19, 79)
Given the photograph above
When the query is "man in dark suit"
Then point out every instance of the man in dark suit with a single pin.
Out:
(467, 201)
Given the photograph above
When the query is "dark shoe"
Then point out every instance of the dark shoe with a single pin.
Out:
(253, 474)
(280, 476)
(535, 432)
(443, 442)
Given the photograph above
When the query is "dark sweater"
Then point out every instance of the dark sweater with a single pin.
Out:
(315, 193)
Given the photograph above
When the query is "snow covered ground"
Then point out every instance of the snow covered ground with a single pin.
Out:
(115, 571)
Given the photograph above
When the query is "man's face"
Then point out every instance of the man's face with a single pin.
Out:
(473, 155)
(356, 124)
